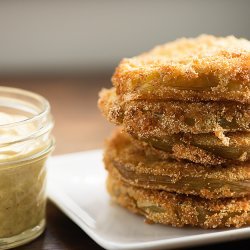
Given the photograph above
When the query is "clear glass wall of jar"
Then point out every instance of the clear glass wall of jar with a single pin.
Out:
(25, 144)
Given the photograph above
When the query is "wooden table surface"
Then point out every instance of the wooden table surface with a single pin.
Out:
(79, 126)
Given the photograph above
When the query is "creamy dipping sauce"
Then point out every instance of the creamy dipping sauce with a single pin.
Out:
(22, 196)
(25, 143)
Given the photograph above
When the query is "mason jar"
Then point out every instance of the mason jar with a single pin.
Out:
(25, 145)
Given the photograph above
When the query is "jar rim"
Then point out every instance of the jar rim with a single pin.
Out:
(43, 101)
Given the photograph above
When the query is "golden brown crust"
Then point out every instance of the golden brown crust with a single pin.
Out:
(202, 68)
(146, 169)
(158, 119)
(180, 210)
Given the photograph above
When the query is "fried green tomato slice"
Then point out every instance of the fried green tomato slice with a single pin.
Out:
(207, 127)
(203, 68)
(180, 210)
(201, 148)
(149, 119)
(142, 168)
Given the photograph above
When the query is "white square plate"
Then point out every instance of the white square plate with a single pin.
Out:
(76, 184)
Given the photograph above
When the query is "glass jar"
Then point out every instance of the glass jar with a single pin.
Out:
(25, 144)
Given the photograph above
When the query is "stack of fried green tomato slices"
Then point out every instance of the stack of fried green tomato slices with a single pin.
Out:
(181, 154)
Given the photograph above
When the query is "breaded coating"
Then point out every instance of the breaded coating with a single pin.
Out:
(203, 68)
(142, 168)
(180, 210)
(158, 119)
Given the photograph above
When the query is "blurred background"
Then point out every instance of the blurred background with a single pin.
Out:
(67, 50)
